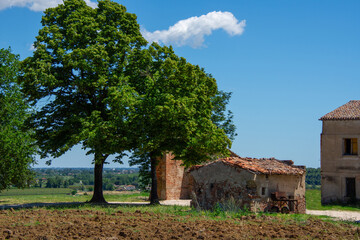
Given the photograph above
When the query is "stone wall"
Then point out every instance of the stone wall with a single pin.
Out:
(218, 183)
(301, 205)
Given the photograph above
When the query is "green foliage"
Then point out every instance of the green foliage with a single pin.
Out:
(99, 87)
(78, 74)
(108, 187)
(143, 161)
(78, 71)
(219, 118)
(175, 107)
(16, 143)
(179, 110)
(313, 178)
(54, 182)
(81, 178)
(222, 118)
(121, 179)
(218, 211)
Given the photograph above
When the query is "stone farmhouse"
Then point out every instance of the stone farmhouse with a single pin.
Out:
(340, 160)
(259, 184)
(263, 184)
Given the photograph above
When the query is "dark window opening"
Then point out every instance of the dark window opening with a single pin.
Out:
(350, 146)
(350, 188)
(263, 191)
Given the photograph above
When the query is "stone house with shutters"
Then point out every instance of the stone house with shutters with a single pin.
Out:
(340, 160)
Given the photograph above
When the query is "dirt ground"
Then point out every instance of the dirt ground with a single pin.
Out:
(93, 224)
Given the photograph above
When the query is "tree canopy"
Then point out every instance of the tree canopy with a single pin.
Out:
(222, 117)
(17, 147)
(77, 78)
(97, 84)
(175, 109)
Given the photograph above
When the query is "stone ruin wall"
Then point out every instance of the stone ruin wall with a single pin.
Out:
(243, 189)
(228, 188)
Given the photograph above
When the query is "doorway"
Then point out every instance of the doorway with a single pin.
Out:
(350, 188)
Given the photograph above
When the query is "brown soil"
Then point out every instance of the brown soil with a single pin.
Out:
(91, 224)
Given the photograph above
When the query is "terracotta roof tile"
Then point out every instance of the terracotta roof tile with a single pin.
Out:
(348, 111)
(262, 165)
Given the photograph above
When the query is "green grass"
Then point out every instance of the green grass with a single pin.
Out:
(184, 211)
(313, 199)
(187, 214)
(313, 202)
(35, 191)
(129, 197)
(57, 195)
(23, 199)
(54, 195)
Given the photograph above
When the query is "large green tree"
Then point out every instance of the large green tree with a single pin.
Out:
(17, 147)
(221, 117)
(174, 111)
(77, 77)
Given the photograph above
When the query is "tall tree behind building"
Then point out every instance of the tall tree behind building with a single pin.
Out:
(174, 111)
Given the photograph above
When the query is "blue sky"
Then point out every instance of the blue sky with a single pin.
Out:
(287, 62)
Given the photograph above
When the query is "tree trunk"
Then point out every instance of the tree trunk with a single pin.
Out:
(98, 196)
(154, 198)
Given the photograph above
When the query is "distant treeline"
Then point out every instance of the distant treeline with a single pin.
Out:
(83, 178)
(313, 178)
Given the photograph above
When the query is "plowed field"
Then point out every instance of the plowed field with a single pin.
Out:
(95, 224)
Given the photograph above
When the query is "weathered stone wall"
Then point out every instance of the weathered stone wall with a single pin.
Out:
(335, 166)
(301, 205)
(218, 183)
(293, 186)
(223, 184)
(173, 182)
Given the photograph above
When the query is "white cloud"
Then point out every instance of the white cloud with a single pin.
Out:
(32, 47)
(91, 4)
(36, 5)
(191, 31)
